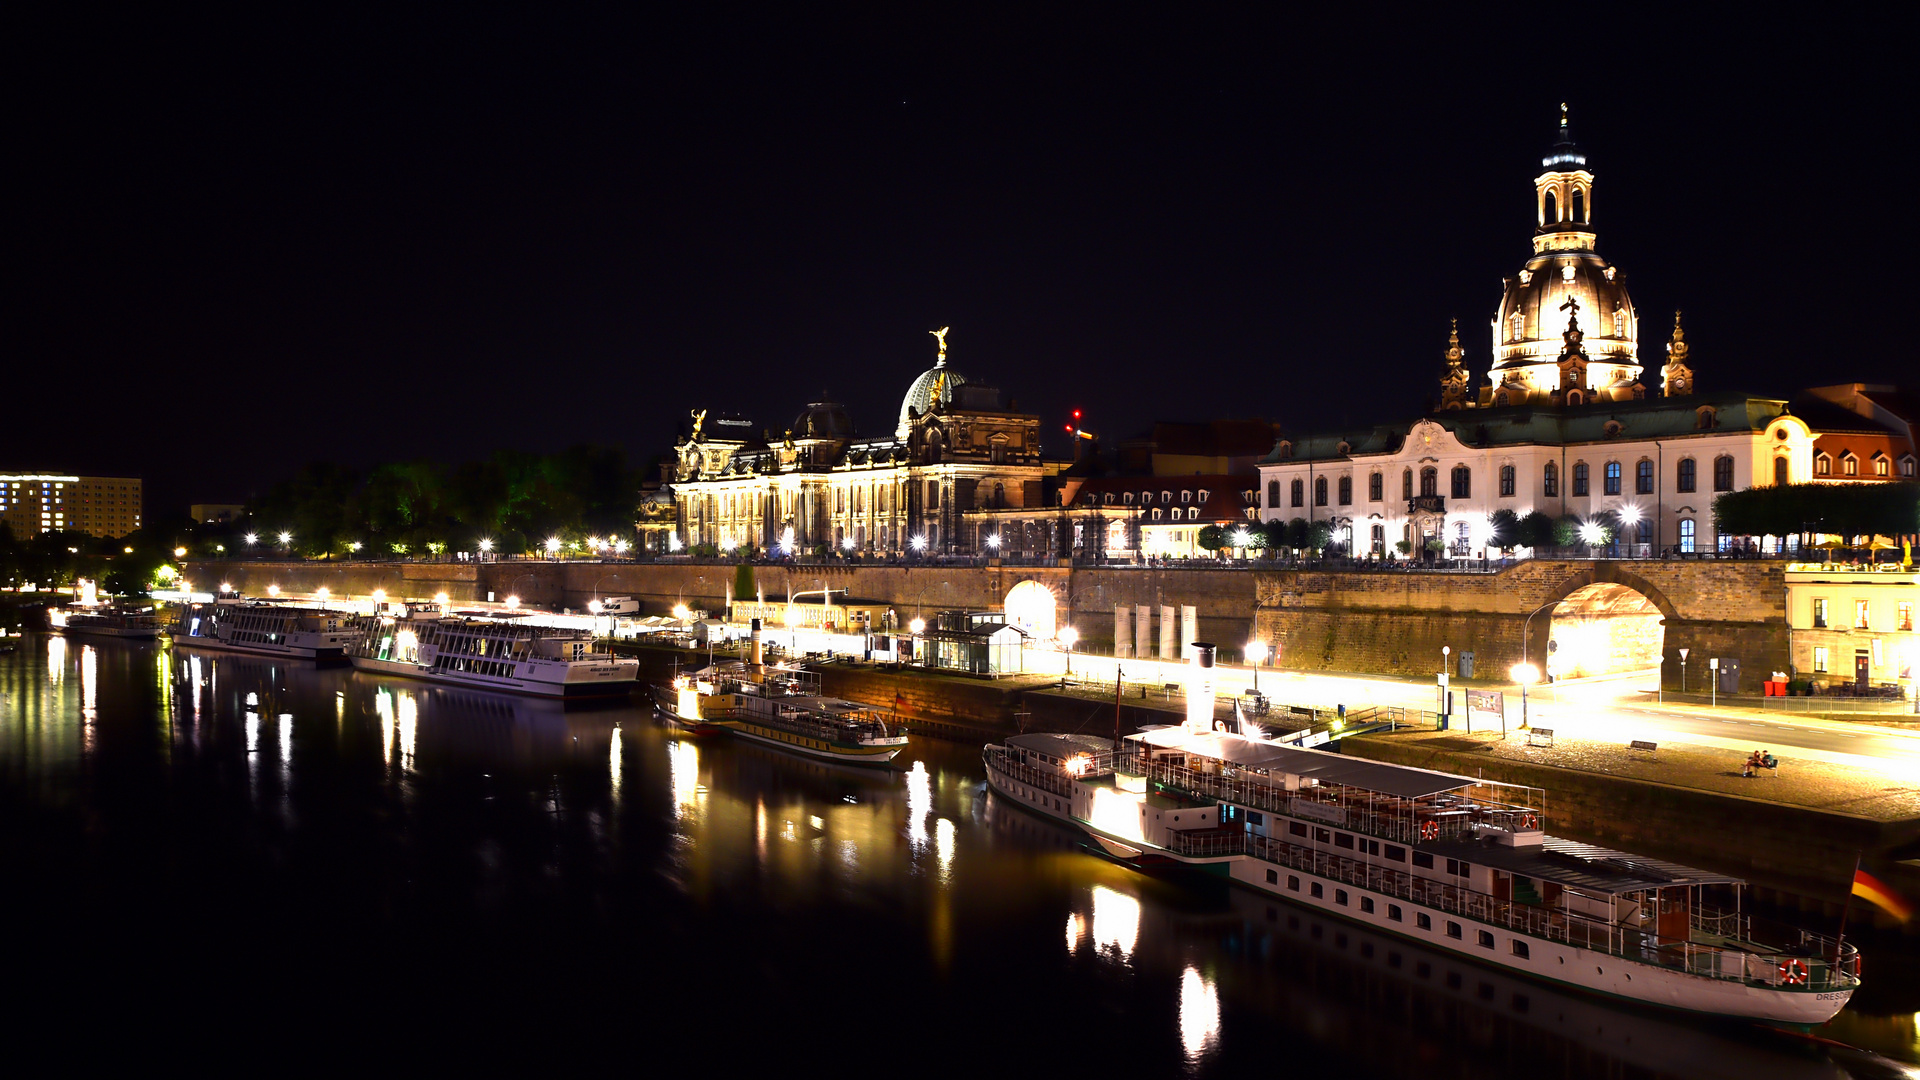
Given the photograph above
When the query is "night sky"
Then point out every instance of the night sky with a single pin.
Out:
(245, 241)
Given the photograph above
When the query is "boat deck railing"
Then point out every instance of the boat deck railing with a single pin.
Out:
(1807, 964)
(1051, 781)
(1443, 817)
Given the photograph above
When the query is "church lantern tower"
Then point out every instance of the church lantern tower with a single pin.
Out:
(1676, 378)
(1565, 298)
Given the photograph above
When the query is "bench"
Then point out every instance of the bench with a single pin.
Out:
(1540, 736)
(1642, 744)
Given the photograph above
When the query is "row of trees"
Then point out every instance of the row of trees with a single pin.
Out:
(1508, 530)
(1855, 512)
(513, 499)
(125, 566)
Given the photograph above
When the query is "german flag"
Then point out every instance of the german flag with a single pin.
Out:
(1876, 892)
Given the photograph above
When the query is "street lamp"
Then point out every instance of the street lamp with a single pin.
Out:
(1067, 637)
(252, 539)
(1526, 675)
(1256, 652)
(553, 546)
(918, 626)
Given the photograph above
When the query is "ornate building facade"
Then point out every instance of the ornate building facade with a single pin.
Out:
(1562, 426)
(955, 453)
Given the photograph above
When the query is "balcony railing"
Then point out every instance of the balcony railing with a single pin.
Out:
(1427, 504)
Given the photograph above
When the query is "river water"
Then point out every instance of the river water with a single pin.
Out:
(237, 863)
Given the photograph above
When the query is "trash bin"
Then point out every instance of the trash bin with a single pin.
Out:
(1729, 676)
(1466, 665)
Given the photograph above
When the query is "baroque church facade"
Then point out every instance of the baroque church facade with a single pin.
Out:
(1562, 425)
(955, 455)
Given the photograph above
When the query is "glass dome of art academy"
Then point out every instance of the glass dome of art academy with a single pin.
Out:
(934, 385)
(1565, 282)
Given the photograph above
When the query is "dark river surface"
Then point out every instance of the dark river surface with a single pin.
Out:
(366, 873)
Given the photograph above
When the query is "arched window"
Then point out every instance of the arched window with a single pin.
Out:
(1723, 473)
(1273, 493)
(1907, 466)
(1506, 481)
(1552, 211)
(1462, 482)
(1000, 496)
(1849, 465)
(1643, 477)
(1780, 472)
(1880, 464)
(1619, 323)
(1550, 481)
(1406, 483)
(1299, 493)
(1612, 486)
(1579, 205)
(1374, 487)
(1683, 475)
(1429, 481)
(1319, 491)
(1517, 326)
(1579, 479)
(1346, 491)
(1379, 539)
(1822, 465)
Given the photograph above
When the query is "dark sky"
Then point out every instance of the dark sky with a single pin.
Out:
(243, 242)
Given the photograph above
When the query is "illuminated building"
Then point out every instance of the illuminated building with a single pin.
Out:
(34, 503)
(1562, 425)
(955, 449)
(1853, 625)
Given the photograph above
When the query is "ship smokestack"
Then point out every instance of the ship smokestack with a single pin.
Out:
(1200, 687)
(759, 658)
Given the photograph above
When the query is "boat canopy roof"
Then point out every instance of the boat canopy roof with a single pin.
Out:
(1063, 745)
(1403, 781)
(1581, 866)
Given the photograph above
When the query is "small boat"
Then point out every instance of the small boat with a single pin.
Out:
(1458, 864)
(782, 707)
(506, 655)
(104, 621)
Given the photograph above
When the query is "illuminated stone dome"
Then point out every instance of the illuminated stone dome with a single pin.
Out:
(1564, 281)
(934, 385)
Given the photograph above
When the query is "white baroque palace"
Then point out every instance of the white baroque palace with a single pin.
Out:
(1562, 426)
(955, 452)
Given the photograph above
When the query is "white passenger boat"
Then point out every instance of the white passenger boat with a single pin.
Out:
(105, 621)
(782, 707)
(289, 628)
(1455, 863)
(422, 641)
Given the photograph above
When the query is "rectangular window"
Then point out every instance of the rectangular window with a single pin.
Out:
(1342, 840)
(1519, 949)
(1320, 836)
(1903, 615)
(1375, 487)
(1423, 860)
(1723, 473)
(1453, 929)
(1423, 920)
(1298, 490)
(1315, 890)
(1340, 897)
(1255, 817)
(1819, 613)
(1643, 478)
(1686, 536)
(1859, 614)
(1371, 847)
(1580, 479)
(1683, 475)
(1485, 938)
(1457, 868)
(1273, 877)
(1397, 854)
(1820, 659)
(1366, 904)
(1293, 883)
(1346, 491)
(1394, 913)
(1296, 828)
(1506, 481)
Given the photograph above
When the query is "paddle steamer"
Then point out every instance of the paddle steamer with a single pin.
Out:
(1458, 864)
(105, 621)
(288, 628)
(506, 655)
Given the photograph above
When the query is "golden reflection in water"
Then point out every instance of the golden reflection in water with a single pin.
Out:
(383, 708)
(943, 849)
(760, 830)
(286, 739)
(339, 709)
(1199, 1014)
(56, 659)
(683, 778)
(613, 763)
(1076, 931)
(1116, 922)
(407, 718)
(89, 697)
(919, 804)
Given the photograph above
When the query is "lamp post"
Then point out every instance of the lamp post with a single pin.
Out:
(1683, 671)
(1526, 675)
(1256, 652)
(1067, 637)
(1713, 683)
(918, 626)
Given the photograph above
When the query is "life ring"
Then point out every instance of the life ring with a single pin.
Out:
(1429, 830)
(1528, 821)
(1793, 972)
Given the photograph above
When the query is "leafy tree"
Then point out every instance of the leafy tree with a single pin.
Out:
(1212, 538)
(1298, 533)
(1536, 530)
(1505, 531)
(1319, 535)
(1566, 530)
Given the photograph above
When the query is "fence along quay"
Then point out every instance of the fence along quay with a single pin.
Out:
(1457, 863)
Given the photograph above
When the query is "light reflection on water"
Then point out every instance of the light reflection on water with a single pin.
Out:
(771, 876)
